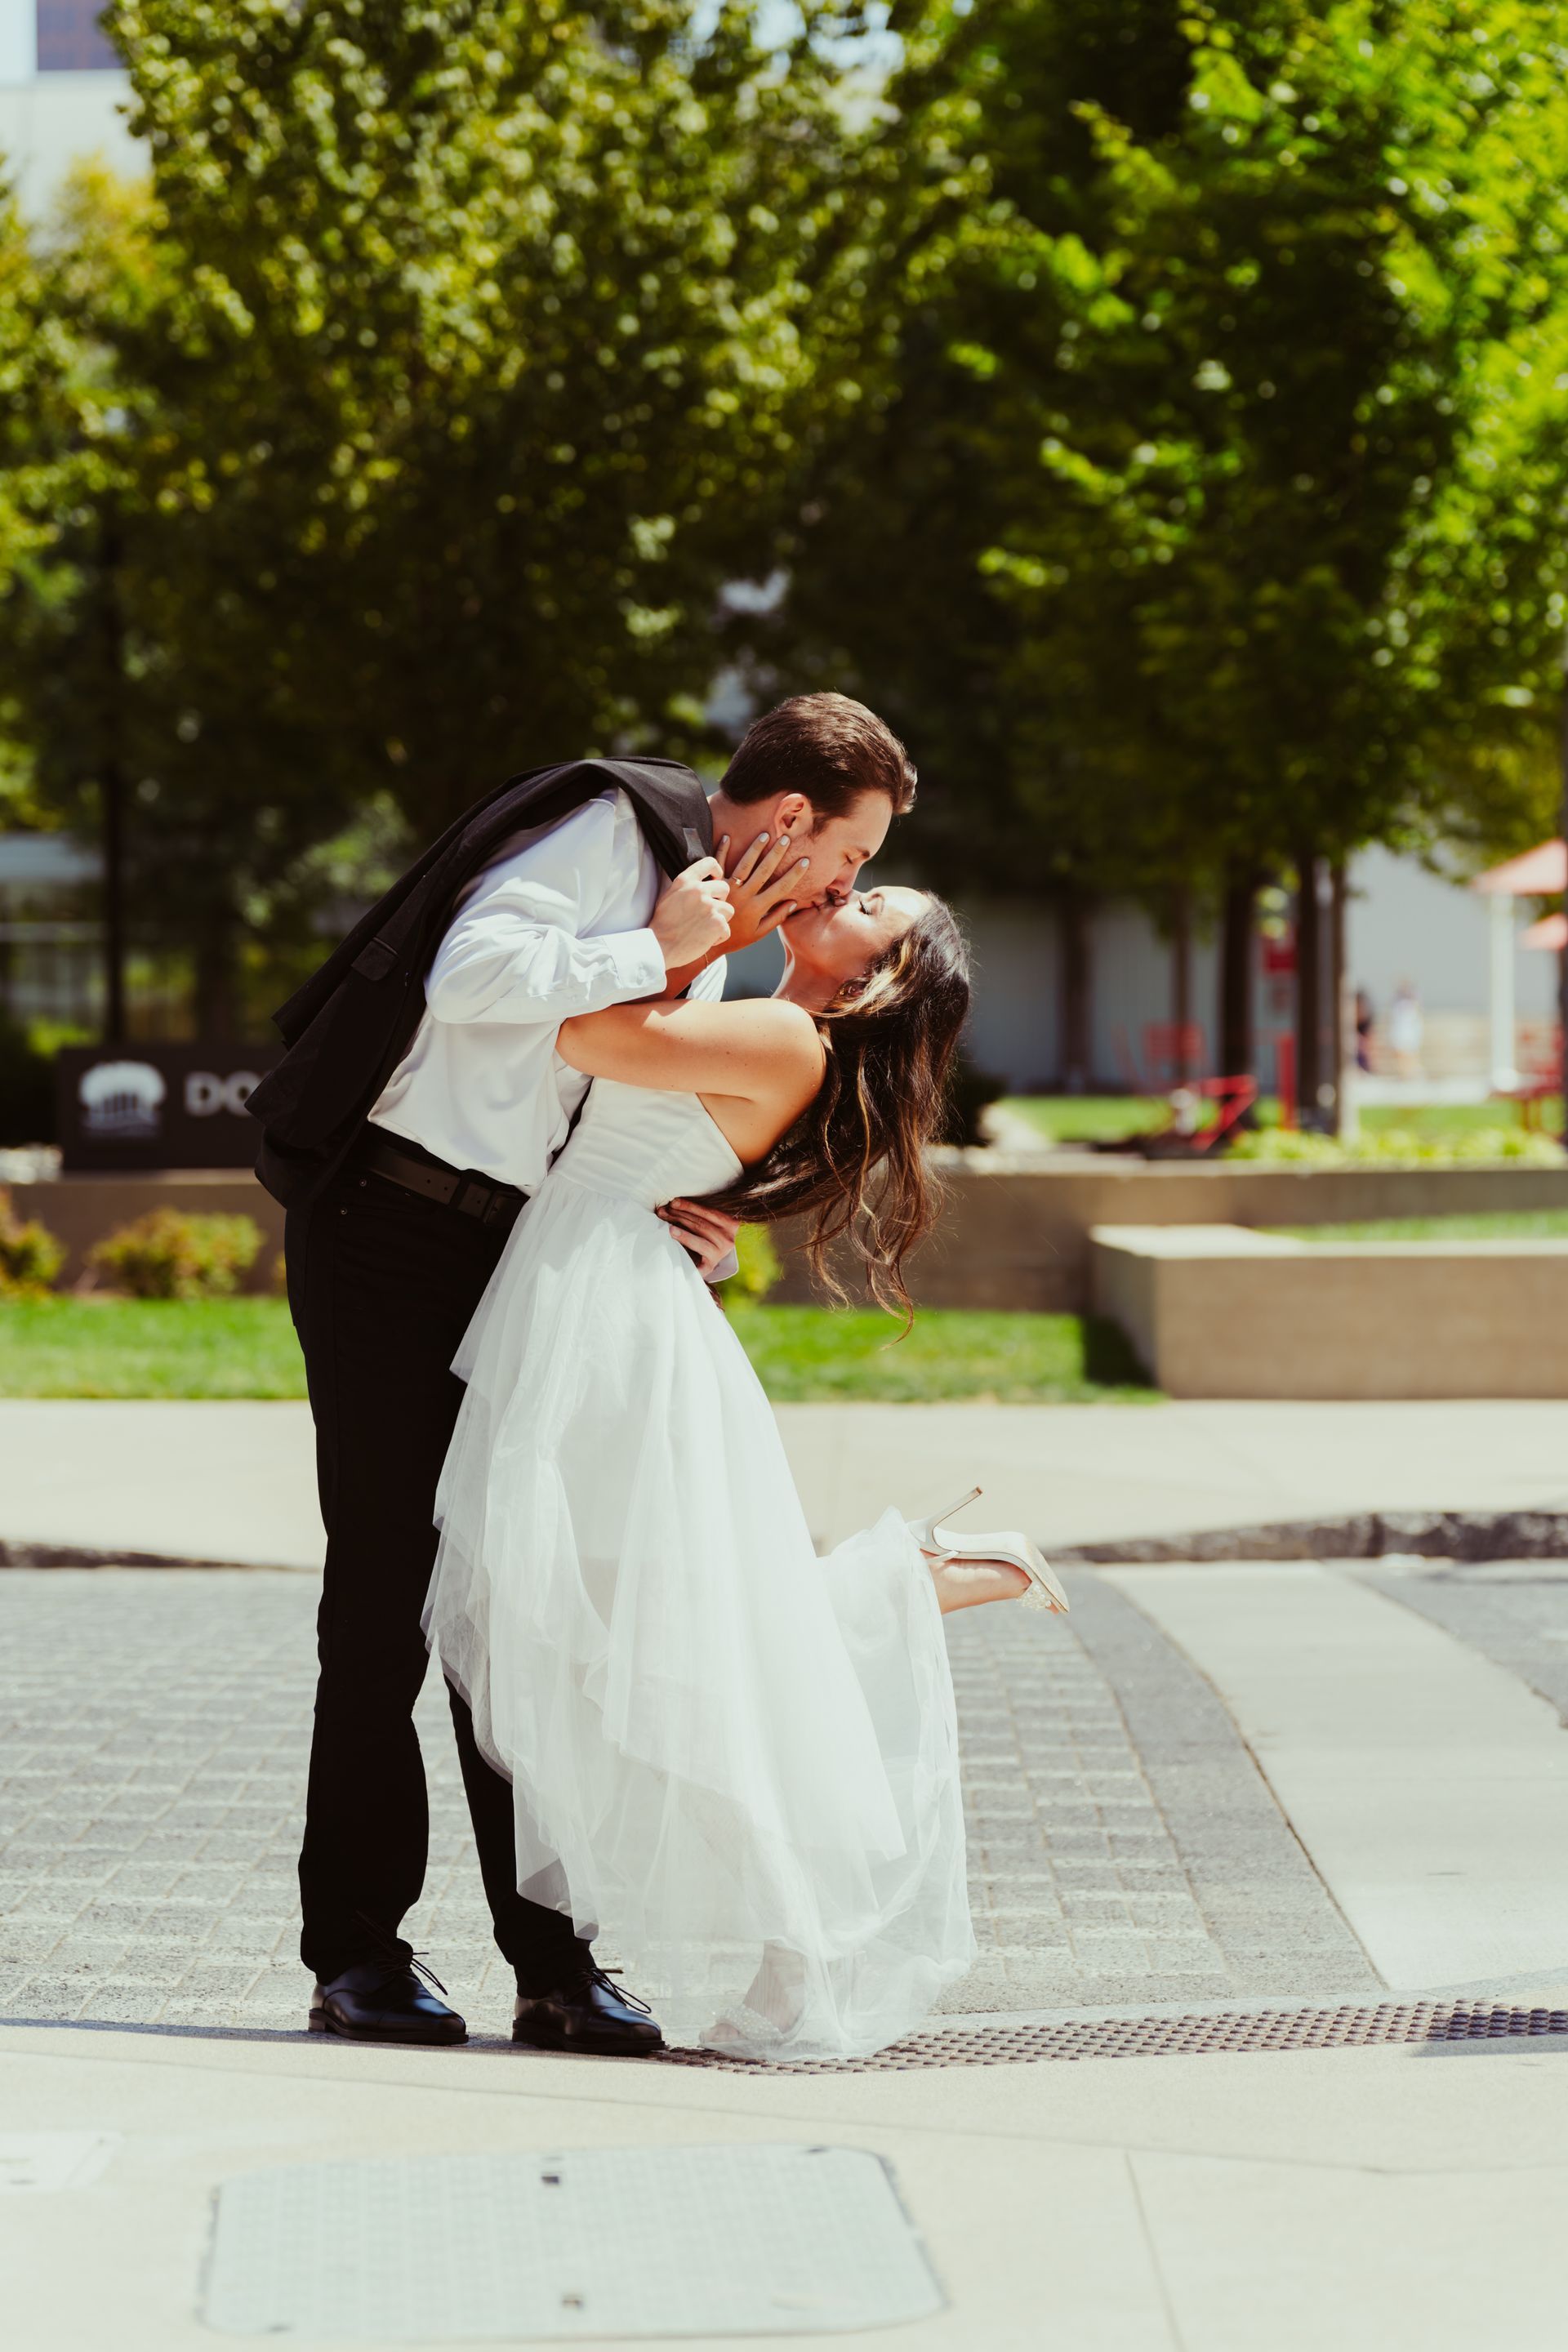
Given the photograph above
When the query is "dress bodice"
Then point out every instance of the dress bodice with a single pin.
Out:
(632, 1144)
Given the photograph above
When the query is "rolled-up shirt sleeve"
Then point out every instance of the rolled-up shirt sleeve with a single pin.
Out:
(514, 952)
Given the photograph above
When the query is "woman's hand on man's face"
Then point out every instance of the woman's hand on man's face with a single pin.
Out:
(764, 884)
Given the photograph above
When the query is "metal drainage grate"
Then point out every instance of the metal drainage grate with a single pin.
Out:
(1169, 2037)
(598, 2242)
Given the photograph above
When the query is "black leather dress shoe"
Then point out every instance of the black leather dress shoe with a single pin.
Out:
(590, 2013)
(383, 2001)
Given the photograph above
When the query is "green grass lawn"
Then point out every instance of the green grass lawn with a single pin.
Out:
(1500, 1226)
(806, 1355)
(246, 1347)
(1454, 1119)
(1088, 1118)
(149, 1348)
(1106, 1119)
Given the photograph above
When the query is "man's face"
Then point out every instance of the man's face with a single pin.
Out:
(836, 847)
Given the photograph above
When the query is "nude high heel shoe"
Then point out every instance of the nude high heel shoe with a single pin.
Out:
(1004, 1543)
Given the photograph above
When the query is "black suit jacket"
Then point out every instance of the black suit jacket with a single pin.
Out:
(349, 1025)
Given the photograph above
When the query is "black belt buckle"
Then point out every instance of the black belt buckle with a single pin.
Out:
(475, 1196)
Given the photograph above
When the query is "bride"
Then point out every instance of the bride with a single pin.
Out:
(735, 1760)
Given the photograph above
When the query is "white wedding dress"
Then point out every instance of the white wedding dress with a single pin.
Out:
(733, 1761)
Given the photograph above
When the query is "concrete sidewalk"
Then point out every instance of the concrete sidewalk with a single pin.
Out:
(1208, 1785)
(235, 1482)
(1361, 2198)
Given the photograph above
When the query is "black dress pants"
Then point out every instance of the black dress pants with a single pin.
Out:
(382, 1284)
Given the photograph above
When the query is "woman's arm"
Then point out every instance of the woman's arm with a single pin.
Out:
(757, 1050)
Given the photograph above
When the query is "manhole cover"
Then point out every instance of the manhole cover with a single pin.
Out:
(604, 2242)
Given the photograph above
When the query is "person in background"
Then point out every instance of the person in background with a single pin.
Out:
(1405, 1031)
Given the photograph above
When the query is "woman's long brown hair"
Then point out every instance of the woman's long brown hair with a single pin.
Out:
(855, 1160)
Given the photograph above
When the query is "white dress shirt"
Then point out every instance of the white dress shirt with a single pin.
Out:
(557, 925)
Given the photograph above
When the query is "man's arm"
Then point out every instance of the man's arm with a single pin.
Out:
(515, 952)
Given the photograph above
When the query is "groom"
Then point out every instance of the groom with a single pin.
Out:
(419, 1103)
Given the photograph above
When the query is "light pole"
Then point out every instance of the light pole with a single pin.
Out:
(111, 783)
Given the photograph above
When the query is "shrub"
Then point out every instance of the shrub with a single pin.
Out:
(30, 1255)
(969, 1091)
(167, 1254)
(1397, 1147)
(760, 1267)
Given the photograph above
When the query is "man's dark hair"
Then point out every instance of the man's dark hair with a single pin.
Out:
(824, 746)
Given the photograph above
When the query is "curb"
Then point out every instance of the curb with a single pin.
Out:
(1471, 1535)
(1463, 1536)
(22, 1554)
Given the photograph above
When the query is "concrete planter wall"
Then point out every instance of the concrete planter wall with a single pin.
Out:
(1213, 1311)
(1014, 1233)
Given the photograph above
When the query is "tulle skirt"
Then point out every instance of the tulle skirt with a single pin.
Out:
(734, 1761)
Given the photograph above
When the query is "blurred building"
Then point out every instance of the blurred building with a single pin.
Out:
(62, 90)
(1407, 927)
(1405, 924)
(51, 933)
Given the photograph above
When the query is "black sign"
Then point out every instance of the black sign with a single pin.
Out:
(159, 1106)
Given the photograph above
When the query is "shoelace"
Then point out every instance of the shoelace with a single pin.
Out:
(399, 1957)
(594, 1974)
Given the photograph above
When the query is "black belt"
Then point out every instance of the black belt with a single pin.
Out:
(470, 1195)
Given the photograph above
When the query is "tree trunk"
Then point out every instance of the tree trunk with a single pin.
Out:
(217, 988)
(1076, 992)
(112, 798)
(112, 786)
(1342, 1010)
(1182, 982)
(1236, 1037)
(1310, 944)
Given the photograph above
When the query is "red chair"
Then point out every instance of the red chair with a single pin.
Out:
(1232, 1098)
(1171, 1050)
(1539, 1082)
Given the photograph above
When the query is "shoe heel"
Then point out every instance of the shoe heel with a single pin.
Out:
(924, 1530)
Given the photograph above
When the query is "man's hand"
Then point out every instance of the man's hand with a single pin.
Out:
(708, 1234)
(691, 920)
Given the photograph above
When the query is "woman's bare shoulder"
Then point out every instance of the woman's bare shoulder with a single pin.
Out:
(776, 1026)
(779, 1041)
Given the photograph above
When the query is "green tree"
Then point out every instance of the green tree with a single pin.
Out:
(447, 372)
(1234, 400)
(492, 332)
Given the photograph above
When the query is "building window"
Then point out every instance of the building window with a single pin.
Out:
(70, 39)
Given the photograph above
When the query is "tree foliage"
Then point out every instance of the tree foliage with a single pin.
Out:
(492, 317)
(1158, 412)
(415, 420)
(1232, 410)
